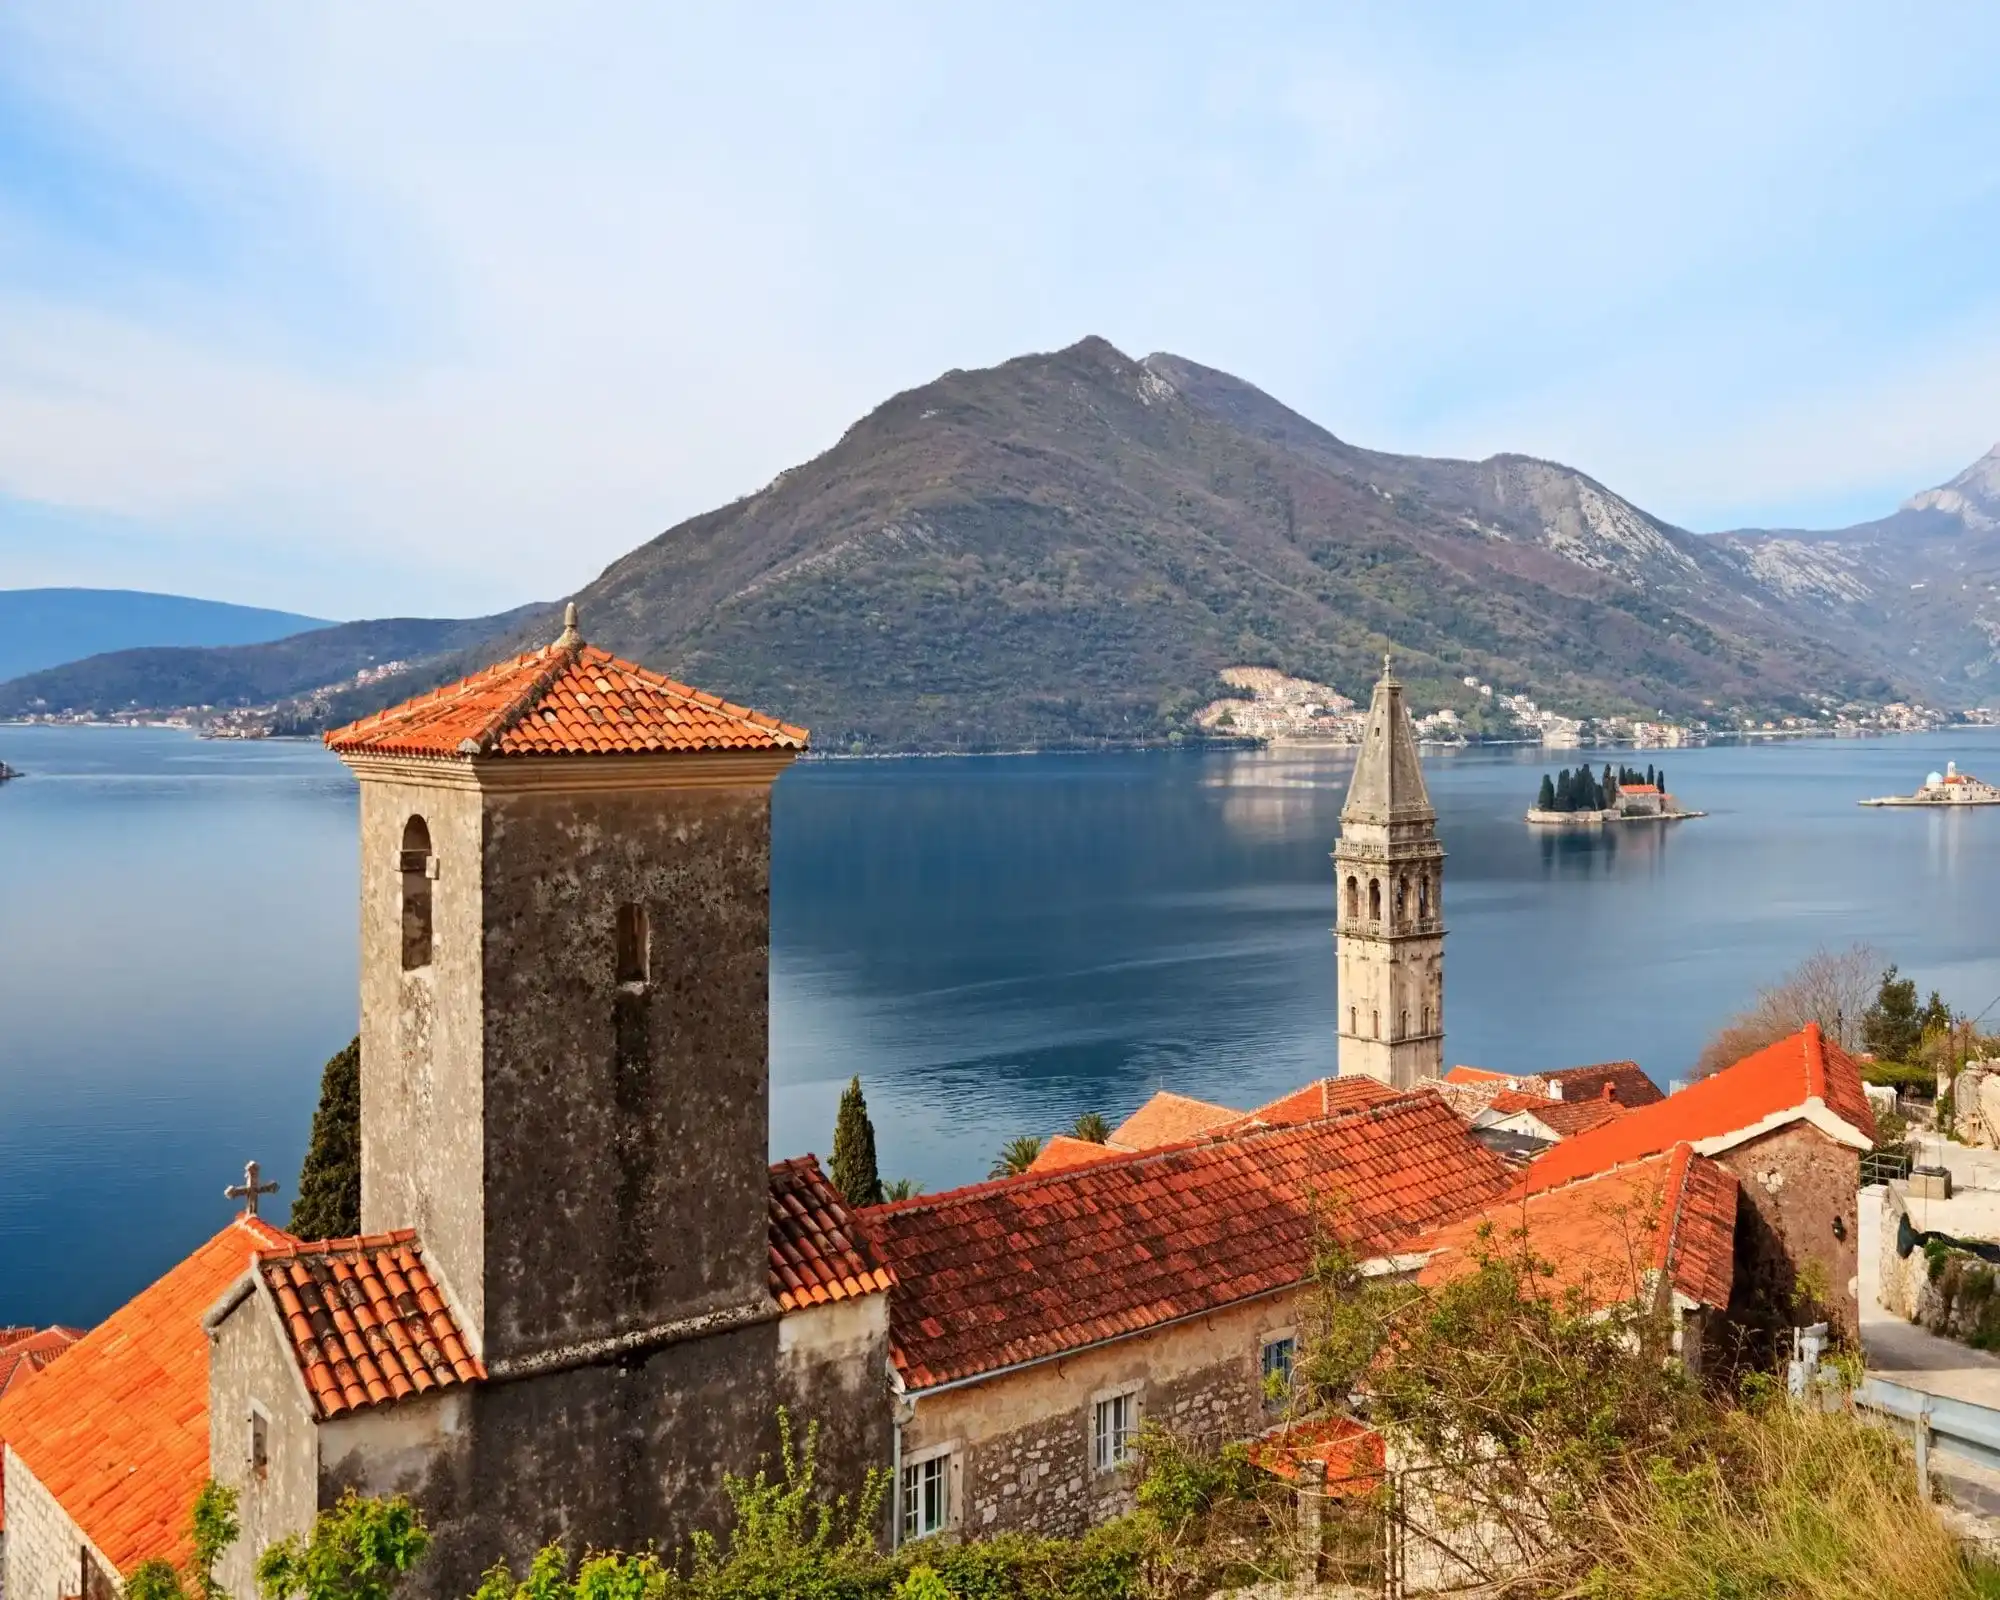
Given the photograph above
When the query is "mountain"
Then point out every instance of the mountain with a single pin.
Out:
(1919, 587)
(248, 674)
(1068, 547)
(46, 627)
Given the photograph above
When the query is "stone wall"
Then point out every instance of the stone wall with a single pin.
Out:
(614, 1455)
(44, 1549)
(1797, 1205)
(1023, 1441)
(626, 1169)
(251, 1372)
(833, 1370)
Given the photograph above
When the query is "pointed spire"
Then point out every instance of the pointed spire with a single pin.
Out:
(1388, 784)
(570, 637)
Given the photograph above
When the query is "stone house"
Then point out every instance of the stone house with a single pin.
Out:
(1037, 1322)
(1789, 1123)
(581, 1294)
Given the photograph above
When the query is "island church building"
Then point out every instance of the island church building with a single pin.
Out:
(582, 1293)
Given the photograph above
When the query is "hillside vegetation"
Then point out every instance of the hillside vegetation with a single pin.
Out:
(1067, 549)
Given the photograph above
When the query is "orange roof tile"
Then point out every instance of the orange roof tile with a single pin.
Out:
(1567, 1118)
(1781, 1083)
(117, 1430)
(1324, 1097)
(28, 1351)
(1673, 1213)
(1062, 1150)
(1025, 1268)
(1353, 1454)
(364, 1321)
(1627, 1081)
(1168, 1119)
(817, 1254)
(1476, 1075)
(567, 698)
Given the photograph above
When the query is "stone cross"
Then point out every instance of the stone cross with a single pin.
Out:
(249, 1189)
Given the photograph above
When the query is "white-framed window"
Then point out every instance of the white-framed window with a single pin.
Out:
(927, 1494)
(1114, 1429)
(1274, 1362)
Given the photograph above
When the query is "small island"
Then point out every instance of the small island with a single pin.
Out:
(1947, 788)
(1582, 799)
(7, 772)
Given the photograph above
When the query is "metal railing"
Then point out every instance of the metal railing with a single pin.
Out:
(1960, 1426)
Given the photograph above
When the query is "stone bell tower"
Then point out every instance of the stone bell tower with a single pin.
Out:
(1389, 879)
(565, 935)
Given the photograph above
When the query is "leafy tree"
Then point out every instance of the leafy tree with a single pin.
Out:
(1545, 799)
(329, 1202)
(359, 1550)
(213, 1527)
(854, 1171)
(1892, 1028)
(1091, 1128)
(902, 1189)
(1016, 1156)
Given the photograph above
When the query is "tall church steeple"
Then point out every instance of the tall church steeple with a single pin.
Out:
(1389, 932)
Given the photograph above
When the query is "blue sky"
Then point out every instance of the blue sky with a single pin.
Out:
(362, 309)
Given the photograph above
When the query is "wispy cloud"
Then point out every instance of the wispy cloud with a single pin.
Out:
(358, 308)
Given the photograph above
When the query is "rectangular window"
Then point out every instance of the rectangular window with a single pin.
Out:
(633, 940)
(259, 1441)
(1116, 1425)
(927, 1497)
(1276, 1367)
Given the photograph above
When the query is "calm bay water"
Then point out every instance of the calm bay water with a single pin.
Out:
(992, 945)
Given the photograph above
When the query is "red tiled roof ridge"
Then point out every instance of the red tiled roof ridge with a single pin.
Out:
(359, 1241)
(1234, 1135)
(1815, 1053)
(1673, 1193)
(505, 727)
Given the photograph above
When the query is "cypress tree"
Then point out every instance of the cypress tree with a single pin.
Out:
(1661, 780)
(1565, 799)
(329, 1202)
(1649, 773)
(1546, 799)
(854, 1171)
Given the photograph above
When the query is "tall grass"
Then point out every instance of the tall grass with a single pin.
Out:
(1793, 1506)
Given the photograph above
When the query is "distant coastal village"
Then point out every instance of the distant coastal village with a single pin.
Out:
(1285, 712)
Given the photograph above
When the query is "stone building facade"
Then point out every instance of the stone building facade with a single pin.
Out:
(1389, 928)
(1037, 1323)
(582, 1295)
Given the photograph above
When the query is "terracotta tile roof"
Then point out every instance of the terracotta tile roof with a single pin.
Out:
(1169, 1119)
(1476, 1075)
(567, 698)
(365, 1322)
(117, 1430)
(1673, 1213)
(1468, 1101)
(1632, 1087)
(1029, 1267)
(1567, 1118)
(1061, 1151)
(25, 1351)
(1324, 1097)
(1783, 1082)
(817, 1254)
(1353, 1454)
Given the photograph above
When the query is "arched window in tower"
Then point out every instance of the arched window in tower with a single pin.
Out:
(1353, 898)
(634, 945)
(1375, 1021)
(1374, 899)
(1423, 897)
(419, 868)
(1354, 1021)
(1427, 1019)
(1402, 896)
(1402, 1025)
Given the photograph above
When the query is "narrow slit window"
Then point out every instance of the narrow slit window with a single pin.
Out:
(634, 943)
(1374, 899)
(419, 869)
